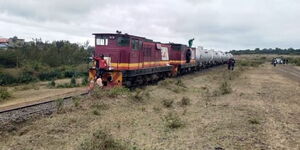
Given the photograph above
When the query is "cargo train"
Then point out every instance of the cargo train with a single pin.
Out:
(134, 60)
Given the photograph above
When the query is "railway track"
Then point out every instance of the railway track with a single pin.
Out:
(23, 113)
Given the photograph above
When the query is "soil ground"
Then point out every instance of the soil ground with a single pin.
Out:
(257, 108)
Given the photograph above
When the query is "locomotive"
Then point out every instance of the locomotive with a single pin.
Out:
(134, 60)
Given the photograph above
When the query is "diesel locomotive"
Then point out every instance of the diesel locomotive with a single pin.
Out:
(134, 60)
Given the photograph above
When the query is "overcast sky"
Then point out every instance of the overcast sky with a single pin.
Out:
(218, 24)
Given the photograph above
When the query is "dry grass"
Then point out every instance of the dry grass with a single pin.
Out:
(261, 112)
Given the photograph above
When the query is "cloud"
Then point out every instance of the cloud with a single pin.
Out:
(220, 24)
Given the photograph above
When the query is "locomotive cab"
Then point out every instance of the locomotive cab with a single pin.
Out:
(130, 58)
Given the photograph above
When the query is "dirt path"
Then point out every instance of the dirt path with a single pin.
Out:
(276, 101)
(38, 92)
(261, 112)
(289, 71)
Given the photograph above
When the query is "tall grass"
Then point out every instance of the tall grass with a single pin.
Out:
(4, 94)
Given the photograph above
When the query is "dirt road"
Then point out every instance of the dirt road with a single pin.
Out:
(289, 71)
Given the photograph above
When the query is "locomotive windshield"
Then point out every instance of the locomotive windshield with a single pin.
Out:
(176, 47)
(123, 41)
(101, 40)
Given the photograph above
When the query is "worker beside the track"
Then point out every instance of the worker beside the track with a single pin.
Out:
(231, 63)
(101, 66)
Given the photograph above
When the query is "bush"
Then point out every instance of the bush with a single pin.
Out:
(251, 63)
(102, 141)
(225, 88)
(168, 103)
(101, 106)
(185, 101)
(26, 78)
(96, 112)
(115, 92)
(73, 81)
(173, 121)
(67, 85)
(4, 94)
(294, 60)
(49, 75)
(140, 95)
(254, 121)
(180, 83)
(85, 81)
(52, 83)
(112, 93)
(6, 79)
(70, 74)
(166, 82)
(60, 104)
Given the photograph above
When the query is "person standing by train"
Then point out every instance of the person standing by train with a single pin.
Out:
(188, 56)
(101, 65)
(274, 62)
(231, 64)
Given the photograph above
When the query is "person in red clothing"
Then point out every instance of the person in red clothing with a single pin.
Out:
(101, 66)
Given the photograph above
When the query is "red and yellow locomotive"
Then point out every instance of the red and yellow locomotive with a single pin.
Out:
(134, 60)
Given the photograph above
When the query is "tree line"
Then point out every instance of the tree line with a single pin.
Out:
(54, 54)
(289, 51)
(39, 60)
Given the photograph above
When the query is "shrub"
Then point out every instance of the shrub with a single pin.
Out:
(102, 141)
(26, 87)
(52, 83)
(168, 103)
(6, 79)
(185, 101)
(60, 104)
(73, 81)
(114, 92)
(4, 94)
(76, 101)
(67, 85)
(26, 77)
(96, 112)
(180, 83)
(251, 63)
(101, 106)
(173, 121)
(294, 60)
(49, 75)
(70, 74)
(225, 88)
(85, 81)
(140, 95)
(253, 121)
(166, 82)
